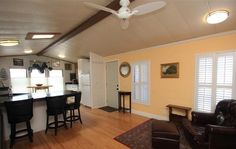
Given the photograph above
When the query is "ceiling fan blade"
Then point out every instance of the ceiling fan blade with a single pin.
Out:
(124, 23)
(100, 7)
(149, 7)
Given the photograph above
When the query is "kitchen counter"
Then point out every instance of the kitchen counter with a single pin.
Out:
(38, 122)
(35, 96)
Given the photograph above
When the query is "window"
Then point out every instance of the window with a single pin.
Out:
(215, 75)
(37, 77)
(56, 80)
(140, 82)
(19, 80)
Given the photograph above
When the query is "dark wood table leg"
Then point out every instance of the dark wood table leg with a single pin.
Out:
(130, 104)
(119, 102)
(123, 103)
(170, 113)
(186, 113)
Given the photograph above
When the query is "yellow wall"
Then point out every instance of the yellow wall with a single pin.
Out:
(178, 91)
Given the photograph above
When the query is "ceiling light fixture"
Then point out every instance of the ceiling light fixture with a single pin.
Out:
(45, 36)
(61, 56)
(8, 43)
(27, 51)
(216, 17)
(37, 36)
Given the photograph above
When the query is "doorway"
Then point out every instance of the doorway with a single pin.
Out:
(112, 84)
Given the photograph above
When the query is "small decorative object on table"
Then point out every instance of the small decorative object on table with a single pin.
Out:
(38, 84)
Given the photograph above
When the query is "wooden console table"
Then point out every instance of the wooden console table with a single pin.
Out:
(182, 108)
(43, 87)
(121, 95)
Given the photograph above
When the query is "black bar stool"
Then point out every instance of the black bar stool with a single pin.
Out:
(18, 112)
(73, 103)
(55, 107)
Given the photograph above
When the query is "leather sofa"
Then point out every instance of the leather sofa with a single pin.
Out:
(213, 130)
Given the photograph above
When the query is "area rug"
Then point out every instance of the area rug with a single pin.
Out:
(140, 137)
(108, 109)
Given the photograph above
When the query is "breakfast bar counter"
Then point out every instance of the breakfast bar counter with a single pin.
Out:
(38, 121)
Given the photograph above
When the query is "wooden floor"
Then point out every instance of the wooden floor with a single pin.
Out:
(97, 132)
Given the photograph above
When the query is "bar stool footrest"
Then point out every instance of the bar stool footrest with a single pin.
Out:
(60, 124)
(24, 135)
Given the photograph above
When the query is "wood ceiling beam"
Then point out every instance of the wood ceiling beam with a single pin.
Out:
(99, 16)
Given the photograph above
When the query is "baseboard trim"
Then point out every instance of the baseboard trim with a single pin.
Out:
(150, 115)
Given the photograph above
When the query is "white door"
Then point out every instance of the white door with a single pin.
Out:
(112, 84)
(98, 80)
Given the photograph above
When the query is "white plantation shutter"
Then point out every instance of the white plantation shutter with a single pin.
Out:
(204, 88)
(140, 82)
(56, 80)
(215, 81)
(19, 80)
(37, 77)
(224, 83)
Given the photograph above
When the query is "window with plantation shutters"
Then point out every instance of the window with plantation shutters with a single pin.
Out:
(204, 78)
(140, 82)
(215, 75)
(19, 80)
(56, 80)
(224, 81)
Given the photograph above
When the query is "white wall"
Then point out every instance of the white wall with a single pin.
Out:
(7, 63)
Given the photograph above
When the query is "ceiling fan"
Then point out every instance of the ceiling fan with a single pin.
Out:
(124, 13)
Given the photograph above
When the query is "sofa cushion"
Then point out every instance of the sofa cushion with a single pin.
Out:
(220, 118)
(233, 113)
(164, 129)
(223, 108)
(196, 132)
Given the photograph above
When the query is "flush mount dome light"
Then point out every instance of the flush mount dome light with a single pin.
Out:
(217, 16)
(28, 51)
(8, 43)
(61, 56)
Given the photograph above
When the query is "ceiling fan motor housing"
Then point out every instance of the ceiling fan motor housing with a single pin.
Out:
(124, 3)
(124, 13)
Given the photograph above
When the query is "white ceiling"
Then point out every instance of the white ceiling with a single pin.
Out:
(179, 20)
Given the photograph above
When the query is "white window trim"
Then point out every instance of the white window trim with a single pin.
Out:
(148, 83)
(214, 76)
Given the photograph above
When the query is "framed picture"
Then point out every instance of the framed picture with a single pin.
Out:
(55, 63)
(18, 62)
(170, 70)
(68, 66)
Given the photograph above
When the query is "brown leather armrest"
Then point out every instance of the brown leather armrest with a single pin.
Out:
(216, 129)
(200, 118)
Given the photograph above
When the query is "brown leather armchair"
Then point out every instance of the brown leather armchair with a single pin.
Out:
(213, 130)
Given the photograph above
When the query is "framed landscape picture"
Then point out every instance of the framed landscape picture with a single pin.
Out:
(56, 63)
(170, 70)
(68, 66)
(18, 62)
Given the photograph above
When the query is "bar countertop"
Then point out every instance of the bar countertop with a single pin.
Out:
(35, 96)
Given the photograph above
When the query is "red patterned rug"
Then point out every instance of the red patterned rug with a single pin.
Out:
(140, 137)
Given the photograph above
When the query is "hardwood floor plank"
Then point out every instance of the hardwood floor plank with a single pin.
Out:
(97, 132)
